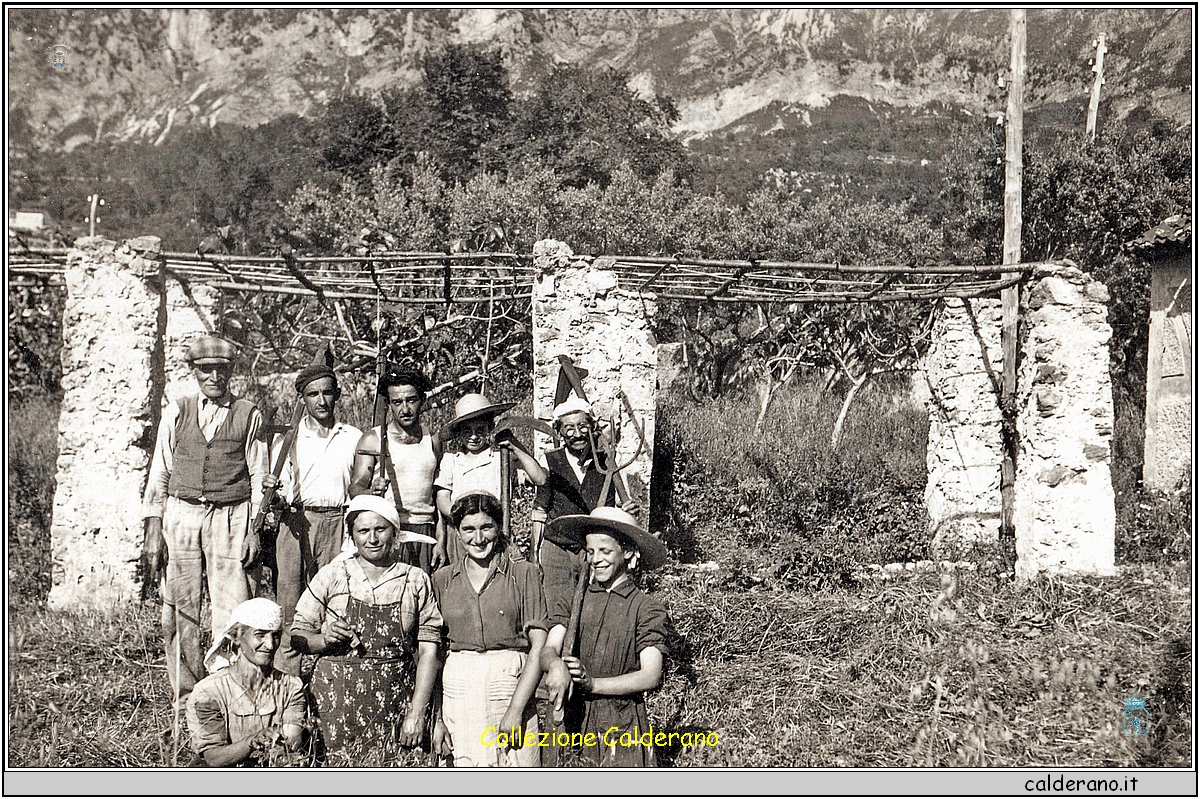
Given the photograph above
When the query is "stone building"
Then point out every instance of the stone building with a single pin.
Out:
(1168, 444)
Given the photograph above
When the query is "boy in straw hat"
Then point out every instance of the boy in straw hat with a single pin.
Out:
(623, 636)
(313, 489)
(477, 466)
(203, 491)
(246, 712)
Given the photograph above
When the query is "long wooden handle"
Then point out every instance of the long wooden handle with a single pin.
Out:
(277, 469)
(576, 606)
(506, 492)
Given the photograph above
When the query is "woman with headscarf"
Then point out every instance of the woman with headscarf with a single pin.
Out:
(246, 712)
(376, 626)
(496, 626)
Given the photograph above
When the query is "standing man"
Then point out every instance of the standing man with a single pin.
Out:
(314, 484)
(204, 488)
(403, 473)
(572, 487)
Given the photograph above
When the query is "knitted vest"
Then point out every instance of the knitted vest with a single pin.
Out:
(563, 495)
(214, 470)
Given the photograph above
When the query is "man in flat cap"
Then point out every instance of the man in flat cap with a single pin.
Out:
(314, 484)
(204, 488)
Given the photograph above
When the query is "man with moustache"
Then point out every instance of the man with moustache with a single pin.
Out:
(314, 487)
(202, 493)
(410, 465)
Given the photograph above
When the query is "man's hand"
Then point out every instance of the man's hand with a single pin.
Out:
(512, 722)
(632, 508)
(154, 548)
(439, 558)
(270, 482)
(265, 738)
(558, 684)
(251, 549)
(379, 485)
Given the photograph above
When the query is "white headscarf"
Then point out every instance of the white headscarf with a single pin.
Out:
(572, 404)
(258, 614)
(386, 509)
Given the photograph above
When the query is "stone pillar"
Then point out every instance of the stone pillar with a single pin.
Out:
(963, 367)
(112, 327)
(1065, 514)
(579, 311)
(192, 311)
(1167, 462)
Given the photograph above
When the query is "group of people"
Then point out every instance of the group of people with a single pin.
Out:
(392, 571)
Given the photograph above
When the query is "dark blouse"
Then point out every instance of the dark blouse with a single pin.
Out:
(498, 617)
(615, 626)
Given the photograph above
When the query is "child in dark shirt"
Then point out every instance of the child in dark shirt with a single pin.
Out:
(622, 641)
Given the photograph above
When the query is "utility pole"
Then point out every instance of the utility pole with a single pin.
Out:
(1014, 134)
(96, 202)
(1094, 104)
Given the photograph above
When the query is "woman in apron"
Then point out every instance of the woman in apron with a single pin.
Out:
(376, 626)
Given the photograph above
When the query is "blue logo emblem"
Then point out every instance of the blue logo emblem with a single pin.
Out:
(1135, 721)
(58, 55)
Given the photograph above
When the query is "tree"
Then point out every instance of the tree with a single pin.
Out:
(355, 136)
(583, 123)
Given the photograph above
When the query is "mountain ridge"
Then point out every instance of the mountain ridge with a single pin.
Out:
(141, 73)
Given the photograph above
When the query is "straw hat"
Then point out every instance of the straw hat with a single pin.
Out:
(619, 524)
(474, 406)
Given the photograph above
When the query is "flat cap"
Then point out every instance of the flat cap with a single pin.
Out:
(211, 349)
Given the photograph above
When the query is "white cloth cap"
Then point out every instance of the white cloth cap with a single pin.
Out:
(259, 613)
(572, 404)
(387, 509)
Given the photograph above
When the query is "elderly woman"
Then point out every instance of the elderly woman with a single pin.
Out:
(246, 712)
(496, 625)
(376, 626)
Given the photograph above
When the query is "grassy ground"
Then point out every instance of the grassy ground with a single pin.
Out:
(787, 649)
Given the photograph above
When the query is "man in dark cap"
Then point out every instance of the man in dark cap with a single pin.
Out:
(314, 484)
(204, 487)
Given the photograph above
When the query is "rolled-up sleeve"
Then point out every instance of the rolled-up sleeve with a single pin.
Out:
(653, 626)
(206, 722)
(429, 615)
(161, 463)
(533, 599)
(293, 702)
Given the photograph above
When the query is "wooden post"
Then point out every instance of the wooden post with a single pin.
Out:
(1012, 255)
(1094, 103)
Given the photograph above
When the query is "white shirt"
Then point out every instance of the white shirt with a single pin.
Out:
(211, 414)
(318, 469)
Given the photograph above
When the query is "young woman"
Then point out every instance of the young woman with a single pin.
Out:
(376, 625)
(495, 620)
(622, 639)
(246, 712)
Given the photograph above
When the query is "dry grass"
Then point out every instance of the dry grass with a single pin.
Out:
(791, 659)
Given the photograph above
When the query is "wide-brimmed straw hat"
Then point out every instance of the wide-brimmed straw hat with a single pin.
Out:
(619, 524)
(475, 406)
(259, 613)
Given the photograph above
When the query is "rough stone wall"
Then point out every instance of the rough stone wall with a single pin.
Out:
(962, 495)
(1168, 447)
(579, 311)
(192, 311)
(112, 326)
(1064, 514)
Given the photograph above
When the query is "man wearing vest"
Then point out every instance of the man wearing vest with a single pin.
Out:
(314, 488)
(572, 486)
(204, 487)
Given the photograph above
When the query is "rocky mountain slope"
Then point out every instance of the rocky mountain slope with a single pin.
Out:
(142, 73)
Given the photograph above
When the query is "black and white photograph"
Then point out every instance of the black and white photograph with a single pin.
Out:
(684, 395)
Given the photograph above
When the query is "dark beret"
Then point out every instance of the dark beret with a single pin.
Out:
(313, 372)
